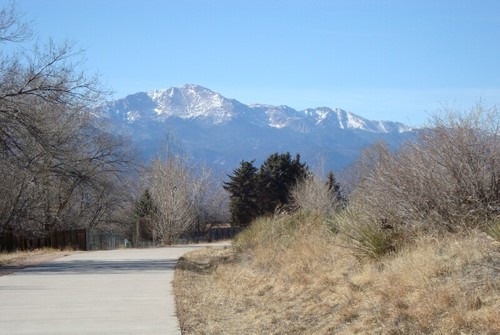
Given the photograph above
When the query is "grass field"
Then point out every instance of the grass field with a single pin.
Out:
(292, 275)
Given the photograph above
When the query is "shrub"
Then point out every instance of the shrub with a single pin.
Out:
(366, 238)
(314, 195)
(447, 180)
(494, 230)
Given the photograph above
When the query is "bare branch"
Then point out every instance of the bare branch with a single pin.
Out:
(12, 27)
(448, 178)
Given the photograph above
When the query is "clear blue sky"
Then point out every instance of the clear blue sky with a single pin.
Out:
(389, 59)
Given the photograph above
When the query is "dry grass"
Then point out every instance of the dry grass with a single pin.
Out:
(14, 261)
(292, 276)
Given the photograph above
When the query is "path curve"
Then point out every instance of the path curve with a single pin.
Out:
(125, 291)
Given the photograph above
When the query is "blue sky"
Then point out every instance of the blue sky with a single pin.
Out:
(389, 59)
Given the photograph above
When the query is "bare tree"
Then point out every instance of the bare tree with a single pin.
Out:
(370, 159)
(186, 196)
(171, 190)
(312, 195)
(210, 200)
(59, 168)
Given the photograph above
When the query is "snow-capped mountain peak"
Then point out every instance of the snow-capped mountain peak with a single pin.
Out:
(224, 131)
(191, 101)
(194, 102)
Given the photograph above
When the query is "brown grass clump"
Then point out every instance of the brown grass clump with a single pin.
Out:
(291, 275)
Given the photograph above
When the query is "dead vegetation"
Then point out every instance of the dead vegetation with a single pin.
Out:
(416, 251)
(302, 280)
(14, 261)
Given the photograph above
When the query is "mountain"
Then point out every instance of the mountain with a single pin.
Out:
(222, 131)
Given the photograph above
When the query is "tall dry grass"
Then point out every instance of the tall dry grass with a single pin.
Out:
(292, 275)
(417, 251)
(15, 257)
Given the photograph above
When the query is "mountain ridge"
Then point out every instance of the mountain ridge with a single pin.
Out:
(224, 131)
(191, 101)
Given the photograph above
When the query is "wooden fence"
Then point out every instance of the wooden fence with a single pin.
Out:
(77, 239)
(74, 239)
(84, 239)
(210, 235)
(224, 233)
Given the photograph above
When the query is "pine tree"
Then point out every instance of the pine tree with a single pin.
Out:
(259, 192)
(276, 177)
(242, 186)
(144, 207)
(335, 190)
(143, 212)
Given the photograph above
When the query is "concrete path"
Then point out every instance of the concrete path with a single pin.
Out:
(101, 292)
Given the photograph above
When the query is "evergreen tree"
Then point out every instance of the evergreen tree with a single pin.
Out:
(276, 177)
(335, 190)
(242, 186)
(255, 192)
(144, 210)
(144, 207)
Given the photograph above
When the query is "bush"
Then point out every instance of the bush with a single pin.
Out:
(313, 195)
(367, 239)
(447, 180)
(494, 230)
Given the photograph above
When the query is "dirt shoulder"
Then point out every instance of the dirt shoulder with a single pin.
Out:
(196, 290)
(13, 262)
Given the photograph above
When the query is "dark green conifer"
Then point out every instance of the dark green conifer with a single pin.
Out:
(335, 190)
(242, 187)
(276, 177)
(144, 207)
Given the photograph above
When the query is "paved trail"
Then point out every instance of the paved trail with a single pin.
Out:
(102, 292)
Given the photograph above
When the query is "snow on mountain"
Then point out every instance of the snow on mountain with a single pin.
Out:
(197, 102)
(217, 129)
(192, 101)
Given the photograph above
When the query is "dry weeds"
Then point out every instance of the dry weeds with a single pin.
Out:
(302, 281)
(11, 262)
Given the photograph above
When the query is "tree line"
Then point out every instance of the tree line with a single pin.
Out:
(59, 167)
(180, 198)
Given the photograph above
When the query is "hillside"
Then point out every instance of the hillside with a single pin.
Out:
(415, 250)
(281, 280)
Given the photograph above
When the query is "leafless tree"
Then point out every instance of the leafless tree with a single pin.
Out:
(59, 168)
(186, 196)
(172, 195)
(370, 159)
(210, 200)
(312, 195)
